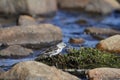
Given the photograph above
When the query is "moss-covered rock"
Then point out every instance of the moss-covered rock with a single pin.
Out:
(86, 58)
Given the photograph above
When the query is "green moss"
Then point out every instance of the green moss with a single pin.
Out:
(86, 58)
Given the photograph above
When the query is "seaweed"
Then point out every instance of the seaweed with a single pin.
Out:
(83, 58)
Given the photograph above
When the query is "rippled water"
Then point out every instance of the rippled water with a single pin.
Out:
(67, 22)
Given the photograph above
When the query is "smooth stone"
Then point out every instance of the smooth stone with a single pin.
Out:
(96, 6)
(76, 40)
(32, 36)
(25, 20)
(15, 51)
(104, 74)
(111, 44)
(32, 70)
(101, 31)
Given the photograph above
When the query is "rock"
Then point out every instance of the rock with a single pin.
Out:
(76, 40)
(82, 22)
(99, 6)
(32, 70)
(101, 31)
(25, 20)
(111, 44)
(34, 36)
(104, 74)
(36, 7)
(73, 3)
(1, 71)
(15, 51)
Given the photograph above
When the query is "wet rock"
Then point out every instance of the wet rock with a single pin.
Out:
(99, 6)
(76, 40)
(25, 20)
(32, 70)
(36, 7)
(111, 44)
(34, 36)
(104, 74)
(15, 51)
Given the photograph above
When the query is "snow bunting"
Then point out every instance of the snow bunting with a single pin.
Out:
(52, 51)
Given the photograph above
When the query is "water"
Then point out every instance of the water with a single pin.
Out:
(6, 64)
(67, 22)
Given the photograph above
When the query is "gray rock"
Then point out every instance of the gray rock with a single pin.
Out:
(15, 51)
(34, 36)
(32, 70)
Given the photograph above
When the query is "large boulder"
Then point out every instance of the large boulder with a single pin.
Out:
(34, 36)
(104, 74)
(15, 51)
(99, 6)
(111, 44)
(32, 70)
(32, 7)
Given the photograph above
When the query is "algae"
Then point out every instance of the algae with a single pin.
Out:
(84, 58)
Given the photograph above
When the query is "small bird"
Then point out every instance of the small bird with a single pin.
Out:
(52, 51)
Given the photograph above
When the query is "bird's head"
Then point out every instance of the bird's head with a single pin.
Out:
(61, 45)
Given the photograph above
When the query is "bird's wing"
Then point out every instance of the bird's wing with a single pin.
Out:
(49, 50)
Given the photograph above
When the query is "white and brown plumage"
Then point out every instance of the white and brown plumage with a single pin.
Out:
(52, 51)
